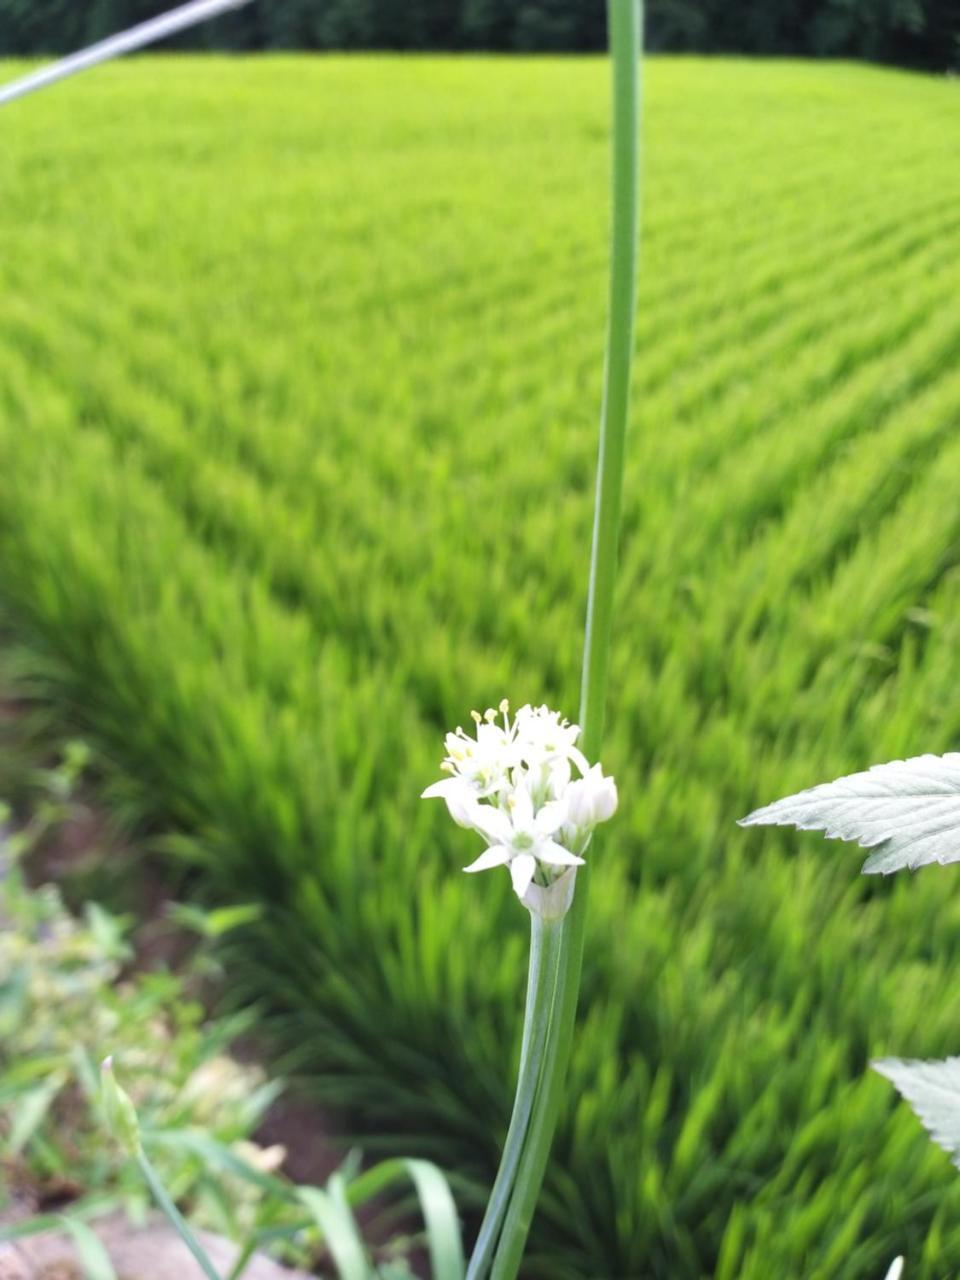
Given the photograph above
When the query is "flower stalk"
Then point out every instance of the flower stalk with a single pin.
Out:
(624, 22)
(541, 980)
(522, 783)
(121, 1120)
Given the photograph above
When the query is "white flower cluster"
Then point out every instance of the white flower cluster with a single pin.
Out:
(514, 783)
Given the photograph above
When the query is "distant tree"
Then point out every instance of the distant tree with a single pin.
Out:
(920, 33)
(677, 24)
(867, 28)
(486, 24)
(545, 26)
(28, 26)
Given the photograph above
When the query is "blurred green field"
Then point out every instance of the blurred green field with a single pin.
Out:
(299, 376)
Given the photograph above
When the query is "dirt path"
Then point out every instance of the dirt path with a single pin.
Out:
(153, 1252)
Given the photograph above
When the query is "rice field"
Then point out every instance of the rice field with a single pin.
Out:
(299, 376)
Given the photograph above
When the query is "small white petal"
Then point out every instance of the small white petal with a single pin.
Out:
(441, 788)
(460, 798)
(521, 808)
(464, 810)
(555, 855)
(493, 824)
(560, 775)
(497, 856)
(522, 869)
(605, 801)
(551, 817)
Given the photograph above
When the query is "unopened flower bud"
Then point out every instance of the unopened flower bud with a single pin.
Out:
(591, 799)
(119, 1112)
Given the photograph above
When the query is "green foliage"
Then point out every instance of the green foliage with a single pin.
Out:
(63, 995)
(933, 1091)
(299, 367)
(913, 32)
(64, 1003)
(907, 812)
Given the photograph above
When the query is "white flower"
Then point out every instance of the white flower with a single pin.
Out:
(520, 837)
(513, 783)
(543, 737)
(481, 762)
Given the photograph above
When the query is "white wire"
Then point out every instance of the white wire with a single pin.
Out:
(134, 38)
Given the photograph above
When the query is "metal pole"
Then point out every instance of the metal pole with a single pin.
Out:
(167, 24)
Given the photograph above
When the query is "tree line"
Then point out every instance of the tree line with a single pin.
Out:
(919, 33)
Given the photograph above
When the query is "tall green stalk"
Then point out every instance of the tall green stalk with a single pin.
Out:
(174, 1216)
(624, 19)
(542, 974)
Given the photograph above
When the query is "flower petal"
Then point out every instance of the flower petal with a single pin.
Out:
(497, 856)
(493, 824)
(521, 872)
(441, 788)
(521, 808)
(551, 817)
(555, 855)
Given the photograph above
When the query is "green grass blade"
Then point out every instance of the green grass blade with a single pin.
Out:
(331, 1212)
(219, 1156)
(441, 1218)
(175, 1217)
(31, 1111)
(93, 1256)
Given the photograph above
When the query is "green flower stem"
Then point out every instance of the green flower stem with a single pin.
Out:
(624, 18)
(542, 973)
(173, 1214)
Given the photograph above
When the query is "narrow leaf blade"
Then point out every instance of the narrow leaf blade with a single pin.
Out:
(440, 1216)
(31, 1112)
(93, 1256)
(340, 1232)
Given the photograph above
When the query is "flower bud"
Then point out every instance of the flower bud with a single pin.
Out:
(119, 1112)
(591, 799)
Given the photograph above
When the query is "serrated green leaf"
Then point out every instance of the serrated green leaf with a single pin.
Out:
(933, 1091)
(907, 810)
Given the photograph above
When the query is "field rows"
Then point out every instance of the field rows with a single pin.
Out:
(229, 503)
(297, 434)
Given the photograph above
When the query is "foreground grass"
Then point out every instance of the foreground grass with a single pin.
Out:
(299, 366)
